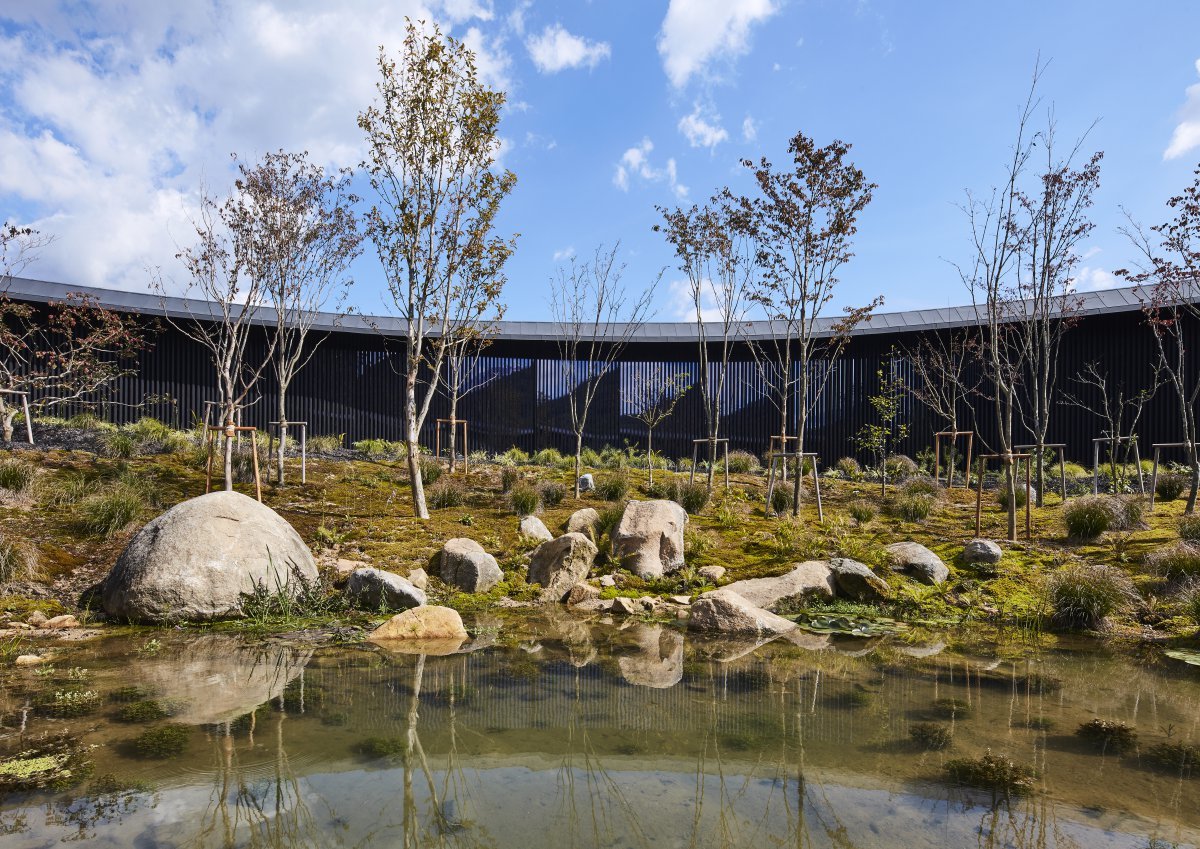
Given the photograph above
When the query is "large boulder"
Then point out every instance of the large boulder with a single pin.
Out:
(201, 558)
(561, 563)
(648, 540)
(534, 528)
(855, 580)
(375, 589)
(981, 551)
(464, 564)
(725, 612)
(812, 577)
(584, 522)
(916, 560)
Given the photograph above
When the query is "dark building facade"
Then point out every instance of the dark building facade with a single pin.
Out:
(354, 383)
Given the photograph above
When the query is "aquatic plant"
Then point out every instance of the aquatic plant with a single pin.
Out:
(1182, 758)
(162, 742)
(932, 736)
(997, 773)
(66, 704)
(54, 763)
(1085, 594)
(1108, 735)
(146, 710)
(523, 499)
(382, 747)
(951, 708)
(335, 719)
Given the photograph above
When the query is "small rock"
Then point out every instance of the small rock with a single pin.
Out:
(918, 561)
(418, 578)
(608, 581)
(712, 574)
(593, 605)
(727, 612)
(648, 603)
(372, 589)
(580, 593)
(19, 626)
(561, 563)
(586, 483)
(622, 604)
(344, 567)
(464, 564)
(534, 528)
(422, 623)
(982, 551)
(584, 522)
(682, 599)
(30, 660)
(62, 622)
(37, 619)
(812, 577)
(855, 580)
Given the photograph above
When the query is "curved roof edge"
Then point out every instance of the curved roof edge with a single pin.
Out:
(42, 291)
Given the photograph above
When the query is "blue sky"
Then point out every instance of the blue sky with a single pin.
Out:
(112, 115)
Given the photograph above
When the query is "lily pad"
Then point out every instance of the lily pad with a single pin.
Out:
(1186, 655)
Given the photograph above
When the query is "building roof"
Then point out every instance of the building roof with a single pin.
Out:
(42, 291)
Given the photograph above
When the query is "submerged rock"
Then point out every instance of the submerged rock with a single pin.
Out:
(201, 558)
(725, 612)
(561, 563)
(464, 564)
(373, 589)
(856, 580)
(918, 561)
(648, 540)
(812, 577)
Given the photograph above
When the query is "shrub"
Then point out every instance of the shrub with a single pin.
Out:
(1072, 470)
(900, 467)
(551, 493)
(1130, 509)
(997, 773)
(1002, 495)
(85, 421)
(848, 468)
(781, 499)
(447, 492)
(16, 476)
(693, 497)
(1169, 486)
(325, 444)
(613, 488)
(1090, 516)
(146, 710)
(372, 447)
(514, 457)
(508, 478)
(18, 561)
(589, 457)
(523, 499)
(862, 511)
(548, 457)
(1084, 595)
(431, 470)
(922, 485)
(742, 462)
(664, 488)
(931, 735)
(106, 512)
(914, 508)
(118, 444)
(1108, 736)
(1180, 758)
(166, 741)
(1181, 560)
(1189, 528)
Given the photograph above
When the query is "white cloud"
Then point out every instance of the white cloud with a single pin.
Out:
(556, 50)
(564, 253)
(700, 131)
(111, 126)
(635, 162)
(1092, 279)
(696, 33)
(1187, 132)
(749, 129)
(683, 303)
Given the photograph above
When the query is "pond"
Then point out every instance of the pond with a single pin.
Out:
(563, 732)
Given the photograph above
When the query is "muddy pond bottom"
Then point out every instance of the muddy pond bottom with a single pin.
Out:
(565, 732)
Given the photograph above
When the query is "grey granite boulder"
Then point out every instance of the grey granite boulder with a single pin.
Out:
(375, 589)
(724, 612)
(855, 580)
(584, 522)
(812, 577)
(916, 560)
(534, 528)
(982, 551)
(464, 564)
(648, 540)
(560, 564)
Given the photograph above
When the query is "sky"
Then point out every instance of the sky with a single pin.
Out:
(113, 115)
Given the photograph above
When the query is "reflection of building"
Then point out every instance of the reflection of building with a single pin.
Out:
(520, 387)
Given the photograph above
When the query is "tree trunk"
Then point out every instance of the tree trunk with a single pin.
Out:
(1194, 462)
(650, 456)
(453, 430)
(1010, 475)
(578, 459)
(712, 461)
(7, 424)
(413, 449)
(1038, 471)
(283, 426)
(799, 473)
(229, 464)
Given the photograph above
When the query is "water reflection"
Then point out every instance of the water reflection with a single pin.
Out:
(565, 733)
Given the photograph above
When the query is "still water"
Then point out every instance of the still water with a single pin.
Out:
(560, 732)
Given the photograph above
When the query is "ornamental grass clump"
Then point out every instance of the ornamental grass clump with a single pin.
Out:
(548, 457)
(1169, 486)
(326, 443)
(900, 467)
(1189, 528)
(849, 468)
(1084, 595)
(1108, 736)
(447, 492)
(107, 512)
(914, 508)
(781, 500)
(742, 462)
(1090, 516)
(523, 499)
(1181, 560)
(613, 488)
(551, 493)
(18, 560)
(17, 476)
(693, 497)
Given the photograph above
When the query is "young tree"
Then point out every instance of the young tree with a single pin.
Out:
(803, 222)
(651, 398)
(67, 352)
(1045, 304)
(942, 365)
(713, 257)
(881, 438)
(297, 235)
(1117, 405)
(594, 321)
(432, 142)
(1170, 269)
(223, 304)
